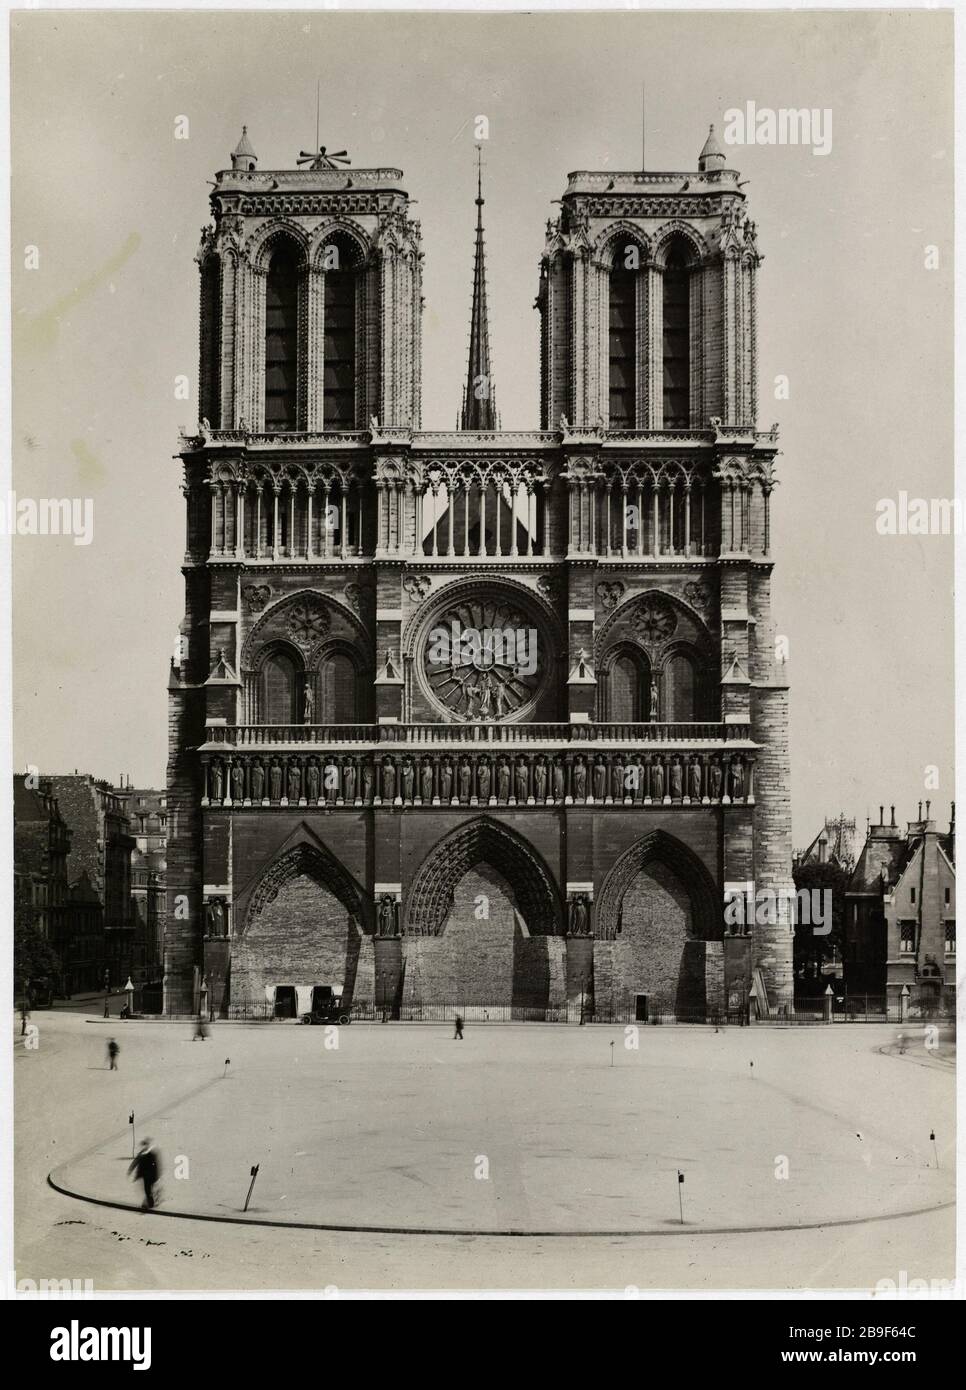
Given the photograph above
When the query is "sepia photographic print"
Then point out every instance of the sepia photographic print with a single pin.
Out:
(482, 520)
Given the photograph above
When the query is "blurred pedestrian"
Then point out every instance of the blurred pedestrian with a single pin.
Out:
(200, 1030)
(459, 1029)
(146, 1168)
(112, 1051)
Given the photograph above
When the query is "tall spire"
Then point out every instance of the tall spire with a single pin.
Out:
(479, 400)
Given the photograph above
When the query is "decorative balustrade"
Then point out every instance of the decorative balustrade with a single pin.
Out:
(415, 777)
(475, 733)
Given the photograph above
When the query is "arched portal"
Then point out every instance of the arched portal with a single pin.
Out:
(658, 925)
(302, 931)
(483, 926)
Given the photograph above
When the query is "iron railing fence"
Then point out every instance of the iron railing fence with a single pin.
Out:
(845, 1009)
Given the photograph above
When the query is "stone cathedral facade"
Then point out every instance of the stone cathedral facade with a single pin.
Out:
(477, 719)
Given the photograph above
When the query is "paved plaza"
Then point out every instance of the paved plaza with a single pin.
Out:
(522, 1156)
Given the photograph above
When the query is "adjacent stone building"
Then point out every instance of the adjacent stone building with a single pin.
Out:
(900, 933)
(41, 843)
(99, 871)
(477, 718)
(148, 819)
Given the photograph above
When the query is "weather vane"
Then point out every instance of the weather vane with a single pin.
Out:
(322, 159)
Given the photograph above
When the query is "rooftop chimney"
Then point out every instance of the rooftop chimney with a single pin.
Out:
(893, 810)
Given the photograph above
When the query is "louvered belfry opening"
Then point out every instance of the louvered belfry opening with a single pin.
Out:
(677, 345)
(623, 347)
(281, 341)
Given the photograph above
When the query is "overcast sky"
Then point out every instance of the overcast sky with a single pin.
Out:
(848, 312)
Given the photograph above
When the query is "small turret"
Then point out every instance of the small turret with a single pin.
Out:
(243, 156)
(711, 156)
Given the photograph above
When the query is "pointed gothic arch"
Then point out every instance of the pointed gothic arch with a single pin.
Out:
(480, 841)
(307, 857)
(658, 847)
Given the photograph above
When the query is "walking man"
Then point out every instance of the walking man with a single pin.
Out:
(146, 1169)
(200, 1031)
(112, 1051)
(459, 1029)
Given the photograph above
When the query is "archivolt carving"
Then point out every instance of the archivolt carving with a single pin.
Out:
(306, 618)
(483, 841)
(692, 874)
(642, 614)
(260, 245)
(317, 863)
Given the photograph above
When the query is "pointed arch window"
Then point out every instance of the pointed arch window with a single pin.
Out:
(340, 369)
(281, 341)
(626, 687)
(677, 341)
(279, 692)
(623, 344)
(338, 681)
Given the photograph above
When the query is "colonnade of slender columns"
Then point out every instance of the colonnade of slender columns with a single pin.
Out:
(293, 521)
(467, 518)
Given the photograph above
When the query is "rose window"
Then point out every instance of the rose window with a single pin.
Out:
(484, 659)
(655, 621)
(307, 623)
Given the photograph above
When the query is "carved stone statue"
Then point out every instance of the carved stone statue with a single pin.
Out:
(617, 780)
(737, 780)
(408, 777)
(294, 782)
(388, 780)
(237, 782)
(217, 782)
(522, 780)
(387, 916)
(446, 781)
(540, 780)
(426, 781)
(275, 780)
(657, 780)
(258, 782)
(600, 779)
(312, 781)
(349, 781)
(483, 781)
(676, 781)
(503, 780)
(308, 705)
(694, 780)
(580, 780)
(714, 781)
(655, 700)
(579, 916)
(466, 775)
(559, 780)
(367, 779)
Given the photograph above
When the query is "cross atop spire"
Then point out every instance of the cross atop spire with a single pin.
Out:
(479, 400)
